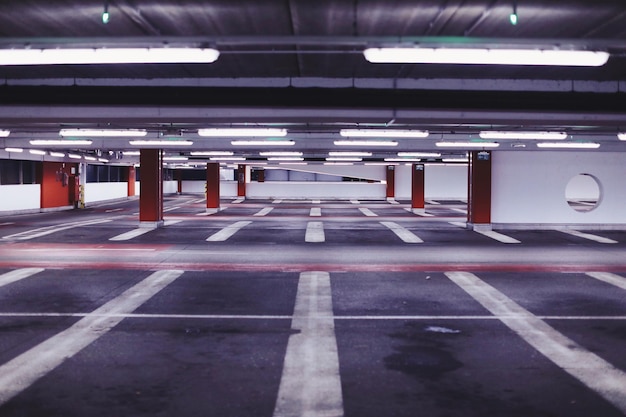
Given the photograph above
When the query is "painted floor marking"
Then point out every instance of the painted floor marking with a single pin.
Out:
(212, 211)
(588, 236)
(48, 230)
(18, 274)
(459, 224)
(432, 202)
(418, 212)
(392, 200)
(315, 212)
(278, 201)
(310, 384)
(406, 235)
(238, 201)
(587, 367)
(458, 210)
(497, 236)
(227, 232)
(367, 212)
(165, 210)
(132, 234)
(24, 370)
(609, 278)
(316, 201)
(264, 212)
(171, 222)
(355, 201)
(315, 232)
(113, 210)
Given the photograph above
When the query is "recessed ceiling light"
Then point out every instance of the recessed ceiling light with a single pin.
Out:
(103, 132)
(383, 133)
(60, 142)
(242, 132)
(467, 144)
(161, 142)
(262, 143)
(570, 145)
(523, 135)
(4, 133)
(365, 143)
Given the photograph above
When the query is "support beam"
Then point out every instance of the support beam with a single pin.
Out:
(212, 187)
(131, 174)
(417, 187)
(151, 183)
(479, 190)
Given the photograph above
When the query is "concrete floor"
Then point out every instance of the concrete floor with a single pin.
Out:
(382, 313)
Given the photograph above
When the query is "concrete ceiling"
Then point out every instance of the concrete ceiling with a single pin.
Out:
(298, 64)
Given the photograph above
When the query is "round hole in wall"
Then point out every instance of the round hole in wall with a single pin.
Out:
(583, 192)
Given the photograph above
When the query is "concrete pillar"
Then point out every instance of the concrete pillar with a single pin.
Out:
(417, 187)
(151, 183)
(131, 174)
(391, 181)
(479, 190)
(241, 180)
(212, 187)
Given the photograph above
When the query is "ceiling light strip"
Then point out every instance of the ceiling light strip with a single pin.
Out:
(103, 132)
(364, 143)
(262, 143)
(523, 135)
(4, 133)
(160, 142)
(382, 133)
(242, 132)
(481, 56)
(467, 144)
(60, 142)
(570, 145)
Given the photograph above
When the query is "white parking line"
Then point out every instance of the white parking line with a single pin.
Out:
(277, 201)
(316, 201)
(315, 212)
(587, 367)
(227, 232)
(459, 210)
(588, 236)
(392, 200)
(48, 230)
(432, 202)
(310, 384)
(355, 201)
(459, 224)
(315, 232)
(18, 274)
(406, 235)
(609, 278)
(497, 236)
(418, 212)
(132, 234)
(165, 210)
(264, 212)
(212, 211)
(238, 201)
(367, 212)
(22, 371)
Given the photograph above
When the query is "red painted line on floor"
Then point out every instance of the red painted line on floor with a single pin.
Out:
(191, 266)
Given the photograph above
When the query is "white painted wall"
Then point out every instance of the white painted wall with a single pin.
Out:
(170, 187)
(101, 191)
(228, 188)
(327, 190)
(20, 197)
(529, 187)
(441, 182)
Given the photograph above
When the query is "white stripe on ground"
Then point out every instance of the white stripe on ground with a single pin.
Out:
(48, 230)
(406, 235)
(237, 201)
(316, 201)
(315, 212)
(391, 200)
(18, 274)
(587, 367)
(432, 202)
(367, 212)
(264, 212)
(315, 232)
(24, 370)
(355, 201)
(212, 211)
(277, 201)
(171, 222)
(227, 232)
(418, 212)
(609, 278)
(459, 210)
(132, 234)
(111, 210)
(165, 210)
(310, 384)
(459, 224)
(588, 236)
(497, 236)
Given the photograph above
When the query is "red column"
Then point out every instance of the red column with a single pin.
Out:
(479, 195)
(417, 187)
(151, 183)
(178, 174)
(55, 184)
(131, 181)
(241, 181)
(391, 181)
(212, 186)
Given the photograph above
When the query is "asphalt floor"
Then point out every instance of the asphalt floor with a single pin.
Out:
(316, 308)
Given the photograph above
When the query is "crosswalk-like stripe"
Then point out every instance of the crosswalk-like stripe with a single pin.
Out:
(315, 212)
(497, 236)
(587, 236)
(609, 278)
(18, 274)
(367, 212)
(227, 232)
(315, 232)
(264, 212)
(406, 235)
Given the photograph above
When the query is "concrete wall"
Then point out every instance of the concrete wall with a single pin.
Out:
(528, 188)
(328, 190)
(20, 197)
(101, 191)
(441, 182)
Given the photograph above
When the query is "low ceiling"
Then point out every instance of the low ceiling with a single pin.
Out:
(298, 64)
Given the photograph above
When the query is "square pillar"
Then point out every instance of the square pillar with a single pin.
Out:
(212, 187)
(241, 180)
(130, 174)
(391, 181)
(417, 187)
(479, 190)
(151, 183)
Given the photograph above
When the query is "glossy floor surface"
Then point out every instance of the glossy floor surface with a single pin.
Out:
(318, 308)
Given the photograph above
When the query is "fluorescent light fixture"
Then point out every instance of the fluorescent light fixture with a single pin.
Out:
(293, 163)
(227, 158)
(348, 154)
(211, 153)
(556, 57)
(621, 136)
(467, 144)
(365, 143)
(383, 133)
(242, 132)
(57, 154)
(402, 160)
(161, 142)
(75, 156)
(285, 158)
(420, 154)
(569, 145)
(90, 158)
(4, 133)
(524, 135)
(103, 132)
(14, 150)
(70, 56)
(344, 158)
(37, 152)
(131, 153)
(175, 158)
(339, 163)
(280, 153)
(455, 160)
(262, 143)
(103, 160)
(60, 142)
